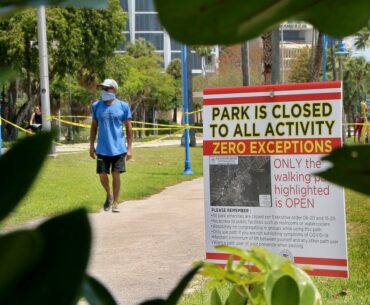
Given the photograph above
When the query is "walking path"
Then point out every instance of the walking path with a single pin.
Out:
(142, 252)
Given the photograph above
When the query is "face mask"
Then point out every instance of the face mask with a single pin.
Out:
(107, 96)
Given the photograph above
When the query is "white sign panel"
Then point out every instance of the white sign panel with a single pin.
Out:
(261, 146)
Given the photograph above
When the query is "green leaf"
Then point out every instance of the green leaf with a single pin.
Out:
(235, 297)
(285, 292)
(95, 292)
(7, 74)
(235, 251)
(351, 168)
(211, 22)
(269, 259)
(57, 277)
(179, 289)
(15, 262)
(19, 168)
(310, 296)
(229, 264)
(215, 298)
(213, 270)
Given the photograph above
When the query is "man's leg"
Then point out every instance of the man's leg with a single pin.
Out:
(104, 180)
(116, 188)
(103, 168)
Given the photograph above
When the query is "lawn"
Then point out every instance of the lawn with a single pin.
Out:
(69, 181)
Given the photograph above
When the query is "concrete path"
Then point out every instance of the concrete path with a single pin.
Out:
(142, 252)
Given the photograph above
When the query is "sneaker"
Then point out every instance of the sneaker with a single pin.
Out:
(115, 208)
(107, 204)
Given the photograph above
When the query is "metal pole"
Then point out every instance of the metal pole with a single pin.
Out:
(324, 57)
(59, 127)
(44, 71)
(187, 170)
(343, 113)
(245, 62)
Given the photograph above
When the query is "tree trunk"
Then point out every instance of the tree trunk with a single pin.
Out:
(317, 60)
(335, 76)
(11, 132)
(275, 54)
(174, 117)
(267, 57)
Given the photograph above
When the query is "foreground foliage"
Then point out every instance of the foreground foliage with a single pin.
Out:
(194, 21)
(278, 282)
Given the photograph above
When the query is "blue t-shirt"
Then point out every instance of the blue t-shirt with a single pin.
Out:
(110, 118)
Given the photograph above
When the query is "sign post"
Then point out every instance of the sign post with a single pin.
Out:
(261, 146)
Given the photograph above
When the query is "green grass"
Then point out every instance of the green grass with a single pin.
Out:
(69, 181)
(356, 289)
(352, 291)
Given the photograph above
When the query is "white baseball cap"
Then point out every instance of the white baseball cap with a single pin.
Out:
(110, 83)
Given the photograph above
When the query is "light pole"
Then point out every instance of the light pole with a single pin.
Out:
(341, 54)
(184, 62)
(44, 71)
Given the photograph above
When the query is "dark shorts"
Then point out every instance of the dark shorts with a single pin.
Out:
(106, 164)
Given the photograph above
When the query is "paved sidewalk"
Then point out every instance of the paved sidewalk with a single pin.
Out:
(142, 252)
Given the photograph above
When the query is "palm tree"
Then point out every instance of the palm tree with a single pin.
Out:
(316, 60)
(203, 52)
(356, 71)
(140, 48)
(267, 57)
(362, 38)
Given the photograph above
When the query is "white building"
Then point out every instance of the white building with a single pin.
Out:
(143, 22)
(294, 36)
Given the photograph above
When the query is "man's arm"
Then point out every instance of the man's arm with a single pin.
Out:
(128, 128)
(93, 131)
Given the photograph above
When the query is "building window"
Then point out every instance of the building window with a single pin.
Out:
(175, 45)
(124, 4)
(294, 36)
(147, 22)
(144, 6)
(156, 39)
(196, 63)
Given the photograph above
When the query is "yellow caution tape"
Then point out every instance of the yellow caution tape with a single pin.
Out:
(155, 124)
(72, 123)
(199, 110)
(16, 126)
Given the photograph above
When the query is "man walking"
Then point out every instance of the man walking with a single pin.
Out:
(108, 116)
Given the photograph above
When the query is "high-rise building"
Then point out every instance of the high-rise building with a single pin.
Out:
(143, 22)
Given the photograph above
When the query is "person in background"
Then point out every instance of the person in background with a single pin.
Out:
(109, 114)
(36, 120)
